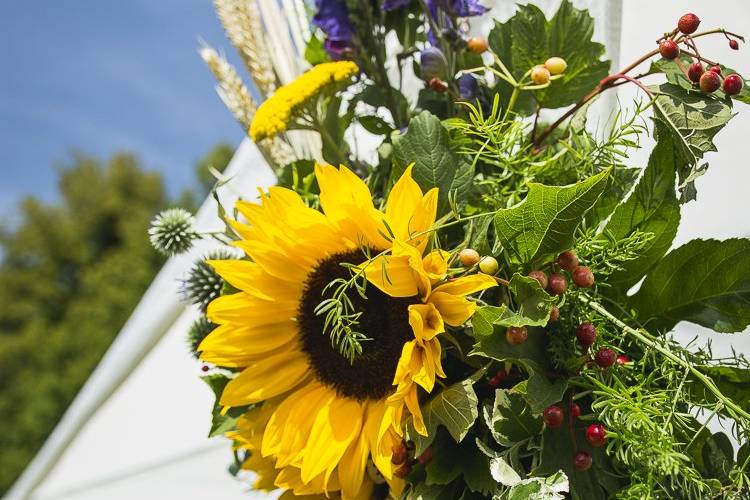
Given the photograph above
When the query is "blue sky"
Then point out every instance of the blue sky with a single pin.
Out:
(101, 77)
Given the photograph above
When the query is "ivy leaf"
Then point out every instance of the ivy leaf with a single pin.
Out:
(546, 221)
(651, 208)
(427, 144)
(541, 488)
(692, 119)
(455, 408)
(510, 419)
(533, 308)
(704, 281)
(528, 39)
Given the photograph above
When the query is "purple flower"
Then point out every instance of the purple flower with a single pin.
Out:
(338, 49)
(332, 17)
(468, 87)
(463, 8)
(394, 4)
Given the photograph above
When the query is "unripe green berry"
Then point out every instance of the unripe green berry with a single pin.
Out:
(488, 265)
(556, 65)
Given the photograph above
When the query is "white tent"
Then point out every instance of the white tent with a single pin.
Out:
(138, 427)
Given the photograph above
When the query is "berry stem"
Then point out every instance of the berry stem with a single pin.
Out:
(697, 56)
(648, 339)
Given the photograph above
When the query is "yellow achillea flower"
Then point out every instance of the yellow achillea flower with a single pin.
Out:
(318, 418)
(273, 116)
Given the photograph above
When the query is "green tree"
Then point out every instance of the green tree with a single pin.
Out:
(71, 272)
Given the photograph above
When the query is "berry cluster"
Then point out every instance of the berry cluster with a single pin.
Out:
(709, 79)
(596, 434)
(402, 457)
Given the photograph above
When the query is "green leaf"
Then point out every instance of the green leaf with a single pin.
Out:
(718, 457)
(533, 306)
(528, 39)
(477, 237)
(651, 208)
(540, 392)
(545, 222)
(455, 408)
(733, 382)
(510, 418)
(426, 143)
(532, 354)
(375, 125)
(298, 175)
(704, 281)
(621, 181)
(222, 423)
(315, 52)
(692, 119)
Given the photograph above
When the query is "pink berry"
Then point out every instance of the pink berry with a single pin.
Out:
(204, 368)
(554, 313)
(688, 23)
(516, 335)
(574, 410)
(540, 276)
(596, 434)
(605, 357)
(586, 334)
(733, 84)
(734, 44)
(583, 277)
(622, 359)
(553, 416)
(669, 49)
(426, 456)
(582, 461)
(716, 69)
(438, 85)
(695, 71)
(710, 82)
(557, 284)
(567, 260)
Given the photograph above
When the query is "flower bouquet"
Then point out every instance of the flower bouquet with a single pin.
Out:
(454, 317)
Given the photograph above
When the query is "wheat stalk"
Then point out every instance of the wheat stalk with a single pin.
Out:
(237, 99)
(242, 23)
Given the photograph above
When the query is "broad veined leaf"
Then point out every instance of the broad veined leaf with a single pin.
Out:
(541, 392)
(532, 305)
(545, 222)
(704, 281)
(510, 418)
(426, 144)
(455, 408)
(456, 460)
(652, 208)
(691, 119)
(532, 354)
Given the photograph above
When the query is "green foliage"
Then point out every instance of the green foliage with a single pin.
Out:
(704, 281)
(217, 159)
(532, 305)
(546, 222)
(222, 422)
(510, 419)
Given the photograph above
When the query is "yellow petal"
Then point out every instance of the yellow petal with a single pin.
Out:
(423, 219)
(243, 308)
(403, 200)
(352, 467)
(250, 277)
(425, 321)
(467, 285)
(274, 261)
(393, 275)
(454, 309)
(412, 403)
(336, 425)
(266, 378)
(435, 264)
(235, 344)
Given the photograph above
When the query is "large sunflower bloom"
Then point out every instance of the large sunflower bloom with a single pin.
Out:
(319, 418)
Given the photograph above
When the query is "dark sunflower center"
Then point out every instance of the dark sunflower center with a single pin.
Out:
(384, 320)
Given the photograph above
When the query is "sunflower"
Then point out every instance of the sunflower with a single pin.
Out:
(320, 421)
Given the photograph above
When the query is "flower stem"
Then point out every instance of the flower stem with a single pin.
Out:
(646, 338)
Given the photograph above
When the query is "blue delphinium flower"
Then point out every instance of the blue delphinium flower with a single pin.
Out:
(332, 17)
(468, 87)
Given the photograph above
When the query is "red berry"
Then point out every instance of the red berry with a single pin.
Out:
(495, 382)
(710, 82)
(596, 434)
(586, 334)
(574, 410)
(204, 368)
(605, 357)
(403, 471)
(622, 359)
(540, 276)
(582, 461)
(426, 456)
(695, 71)
(554, 313)
(583, 277)
(716, 69)
(733, 84)
(438, 85)
(400, 454)
(688, 23)
(557, 284)
(553, 416)
(567, 260)
(734, 44)
(516, 335)
(669, 49)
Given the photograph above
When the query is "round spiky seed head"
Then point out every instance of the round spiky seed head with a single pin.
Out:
(199, 330)
(203, 284)
(172, 231)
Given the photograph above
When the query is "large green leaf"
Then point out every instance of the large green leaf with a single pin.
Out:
(533, 306)
(455, 408)
(541, 392)
(426, 144)
(691, 119)
(651, 208)
(704, 281)
(732, 381)
(528, 39)
(545, 222)
(532, 354)
(510, 418)
(459, 459)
